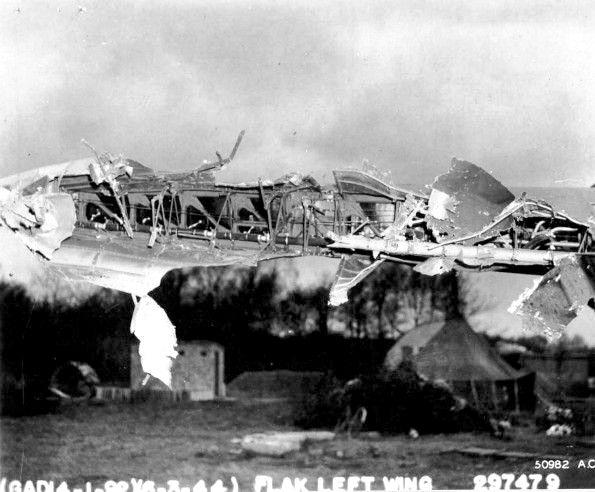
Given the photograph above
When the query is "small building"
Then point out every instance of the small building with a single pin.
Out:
(570, 371)
(451, 351)
(197, 373)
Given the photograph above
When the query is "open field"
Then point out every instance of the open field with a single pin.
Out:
(192, 441)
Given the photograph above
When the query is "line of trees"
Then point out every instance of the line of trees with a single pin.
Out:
(248, 311)
(217, 303)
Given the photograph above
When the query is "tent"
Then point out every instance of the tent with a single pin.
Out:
(451, 351)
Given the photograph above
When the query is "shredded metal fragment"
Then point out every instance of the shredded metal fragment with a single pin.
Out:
(157, 339)
(556, 298)
(465, 200)
(435, 266)
(351, 271)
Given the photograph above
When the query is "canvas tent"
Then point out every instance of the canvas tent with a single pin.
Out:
(450, 350)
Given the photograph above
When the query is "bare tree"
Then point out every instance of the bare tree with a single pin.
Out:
(470, 298)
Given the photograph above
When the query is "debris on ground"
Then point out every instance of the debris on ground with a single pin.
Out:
(282, 443)
(500, 453)
(74, 380)
(413, 434)
(558, 430)
(399, 401)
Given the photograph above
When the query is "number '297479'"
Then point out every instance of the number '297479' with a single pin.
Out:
(509, 481)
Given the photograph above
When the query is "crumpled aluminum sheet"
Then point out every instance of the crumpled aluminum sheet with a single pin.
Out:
(17, 262)
(556, 298)
(352, 270)
(157, 337)
(58, 223)
(464, 201)
(42, 220)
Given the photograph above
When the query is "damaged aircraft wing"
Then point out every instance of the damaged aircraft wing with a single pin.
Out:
(471, 221)
(116, 223)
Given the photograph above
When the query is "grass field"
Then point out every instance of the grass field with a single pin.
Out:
(192, 441)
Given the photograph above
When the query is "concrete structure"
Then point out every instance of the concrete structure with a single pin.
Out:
(197, 374)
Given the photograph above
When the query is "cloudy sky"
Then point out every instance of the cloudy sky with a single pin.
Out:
(406, 85)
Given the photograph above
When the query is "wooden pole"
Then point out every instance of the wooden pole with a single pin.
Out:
(474, 392)
(494, 395)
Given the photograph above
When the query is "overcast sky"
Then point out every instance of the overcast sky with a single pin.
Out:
(406, 85)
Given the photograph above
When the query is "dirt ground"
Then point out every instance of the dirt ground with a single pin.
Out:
(192, 441)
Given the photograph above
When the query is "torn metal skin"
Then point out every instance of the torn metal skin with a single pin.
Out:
(465, 200)
(556, 298)
(471, 221)
(157, 338)
(117, 223)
